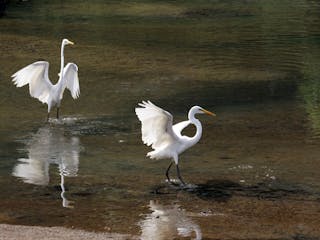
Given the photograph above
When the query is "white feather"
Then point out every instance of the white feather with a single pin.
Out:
(40, 87)
(70, 75)
(156, 125)
(158, 132)
(165, 139)
(36, 75)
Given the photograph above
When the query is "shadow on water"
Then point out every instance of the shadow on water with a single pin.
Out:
(223, 190)
(303, 237)
(3, 4)
(309, 91)
(233, 92)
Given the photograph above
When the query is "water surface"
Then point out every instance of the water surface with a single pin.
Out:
(255, 170)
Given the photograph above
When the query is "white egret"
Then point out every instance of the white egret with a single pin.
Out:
(166, 139)
(40, 86)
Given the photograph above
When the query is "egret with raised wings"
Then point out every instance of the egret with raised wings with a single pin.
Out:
(166, 139)
(40, 86)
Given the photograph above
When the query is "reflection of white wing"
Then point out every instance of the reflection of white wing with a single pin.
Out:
(49, 146)
(36, 75)
(168, 222)
(70, 74)
(156, 125)
(34, 171)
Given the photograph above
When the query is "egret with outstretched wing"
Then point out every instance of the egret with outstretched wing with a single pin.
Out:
(40, 86)
(166, 139)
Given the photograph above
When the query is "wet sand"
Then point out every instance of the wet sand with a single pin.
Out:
(18, 232)
(232, 211)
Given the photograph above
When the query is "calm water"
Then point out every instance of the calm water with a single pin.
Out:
(254, 63)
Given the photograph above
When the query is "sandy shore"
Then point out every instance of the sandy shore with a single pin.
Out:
(17, 232)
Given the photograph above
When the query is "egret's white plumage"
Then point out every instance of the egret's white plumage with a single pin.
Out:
(165, 138)
(40, 86)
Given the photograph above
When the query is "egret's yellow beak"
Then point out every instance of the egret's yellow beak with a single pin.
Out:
(208, 112)
(72, 43)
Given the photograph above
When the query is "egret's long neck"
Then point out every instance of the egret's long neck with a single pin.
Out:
(61, 84)
(193, 140)
(62, 62)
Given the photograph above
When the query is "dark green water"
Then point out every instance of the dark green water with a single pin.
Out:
(254, 63)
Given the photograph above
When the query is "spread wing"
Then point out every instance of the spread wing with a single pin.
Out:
(156, 125)
(70, 74)
(36, 75)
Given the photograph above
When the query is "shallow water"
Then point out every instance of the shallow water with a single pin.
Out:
(254, 174)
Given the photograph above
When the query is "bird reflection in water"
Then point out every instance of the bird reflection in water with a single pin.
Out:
(49, 146)
(168, 222)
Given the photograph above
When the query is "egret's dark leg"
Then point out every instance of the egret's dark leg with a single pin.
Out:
(167, 172)
(48, 116)
(179, 176)
(58, 112)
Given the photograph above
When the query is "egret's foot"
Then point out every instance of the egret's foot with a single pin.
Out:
(190, 187)
(176, 183)
(182, 183)
(67, 203)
